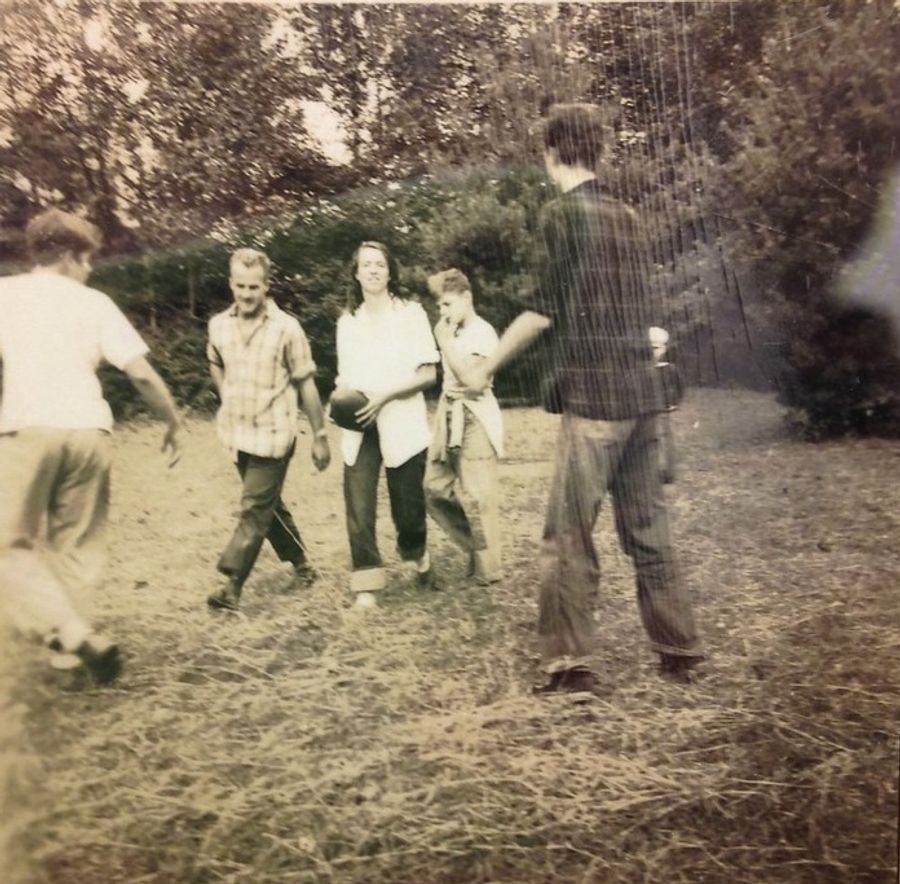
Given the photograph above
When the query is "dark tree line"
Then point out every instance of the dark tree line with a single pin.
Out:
(756, 136)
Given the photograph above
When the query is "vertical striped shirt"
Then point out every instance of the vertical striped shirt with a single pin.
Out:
(258, 414)
(592, 282)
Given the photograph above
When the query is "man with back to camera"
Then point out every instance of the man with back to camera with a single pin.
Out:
(592, 292)
(55, 437)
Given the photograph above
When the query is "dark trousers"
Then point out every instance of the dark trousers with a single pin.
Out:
(622, 458)
(263, 517)
(407, 499)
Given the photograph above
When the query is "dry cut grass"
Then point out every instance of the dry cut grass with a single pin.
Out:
(304, 742)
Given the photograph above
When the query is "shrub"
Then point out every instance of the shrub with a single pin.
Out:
(816, 128)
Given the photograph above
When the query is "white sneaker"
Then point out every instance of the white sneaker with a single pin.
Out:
(365, 600)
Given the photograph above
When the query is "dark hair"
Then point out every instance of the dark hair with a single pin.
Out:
(576, 132)
(354, 294)
(53, 234)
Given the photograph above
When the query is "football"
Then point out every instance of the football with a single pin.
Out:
(344, 404)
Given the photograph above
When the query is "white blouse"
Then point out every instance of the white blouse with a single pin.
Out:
(380, 352)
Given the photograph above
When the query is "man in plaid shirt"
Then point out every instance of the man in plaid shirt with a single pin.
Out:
(592, 293)
(260, 361)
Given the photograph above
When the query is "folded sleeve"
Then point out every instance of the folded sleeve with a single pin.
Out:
(213, 353)
(119, 341)
(484, 341)
(297, 353)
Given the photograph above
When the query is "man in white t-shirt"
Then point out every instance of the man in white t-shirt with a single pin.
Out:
(55, 431)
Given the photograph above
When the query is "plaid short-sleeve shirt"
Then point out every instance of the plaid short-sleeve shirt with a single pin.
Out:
(258, 413)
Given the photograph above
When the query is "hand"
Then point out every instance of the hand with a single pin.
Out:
(443, 332)
(321, 453)
(369, 412)
(172, 444)
(476, 381)
(659, 340)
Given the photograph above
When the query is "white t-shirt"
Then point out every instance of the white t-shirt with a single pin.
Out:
(380, 352)
(476, 338)
(54, 335)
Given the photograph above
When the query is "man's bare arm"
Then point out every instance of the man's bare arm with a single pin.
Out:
(155, 393)
(526, 328)
(311, 404)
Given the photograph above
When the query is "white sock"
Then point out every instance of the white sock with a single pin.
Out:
(424, 563)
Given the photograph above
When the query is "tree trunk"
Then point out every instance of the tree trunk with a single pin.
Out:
(151, 295)
(192, 288)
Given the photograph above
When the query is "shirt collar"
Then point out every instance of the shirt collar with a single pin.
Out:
(364, 311)
(589, 184)
(269, 313)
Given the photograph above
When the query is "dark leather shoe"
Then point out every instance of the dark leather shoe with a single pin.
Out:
(428, 580)
(579, 680)
(677, 668)
(304, 574)
(228, 598)
(101, 659)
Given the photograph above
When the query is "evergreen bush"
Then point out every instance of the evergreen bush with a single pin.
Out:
(816, 128)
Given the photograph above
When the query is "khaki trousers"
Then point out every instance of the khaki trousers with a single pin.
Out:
(54, 501)
(622, 458)
(463, 495)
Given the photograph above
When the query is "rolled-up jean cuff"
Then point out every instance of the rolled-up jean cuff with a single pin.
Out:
(73, 633)
(563, 664)
(368, 580)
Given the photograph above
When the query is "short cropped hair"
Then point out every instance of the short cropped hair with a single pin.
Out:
(53, 234)
(251, 258)
(576, 132)
(449, 282)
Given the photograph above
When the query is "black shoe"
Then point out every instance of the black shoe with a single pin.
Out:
(677, 668)
(101, 658)
(228, 598)
(304, 574)
(427, 580)
(578, 680)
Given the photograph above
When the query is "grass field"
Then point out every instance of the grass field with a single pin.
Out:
(303, 741)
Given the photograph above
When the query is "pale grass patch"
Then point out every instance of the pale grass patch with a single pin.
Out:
(303, 741)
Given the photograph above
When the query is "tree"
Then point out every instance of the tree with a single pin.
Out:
(815, 130)
(158, 119)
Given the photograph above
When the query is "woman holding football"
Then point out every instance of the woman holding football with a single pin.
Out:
(386, 357)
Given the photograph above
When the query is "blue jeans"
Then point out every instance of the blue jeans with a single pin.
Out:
(622, 457)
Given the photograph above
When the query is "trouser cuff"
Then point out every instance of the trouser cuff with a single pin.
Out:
(72, 634)
(368, 580)
(695, 651)
(563, 664)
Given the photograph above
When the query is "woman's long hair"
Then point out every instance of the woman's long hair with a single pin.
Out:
(354, 292)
